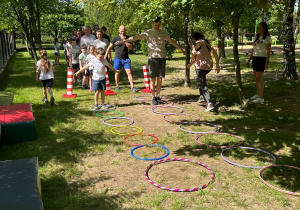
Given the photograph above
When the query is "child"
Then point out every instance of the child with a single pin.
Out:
(203, 65)
(90, 57)
(64, 44)
(74, 59)
(56, 51)
(46, 76)
(99, 81)
(82, 63)
(68, 46)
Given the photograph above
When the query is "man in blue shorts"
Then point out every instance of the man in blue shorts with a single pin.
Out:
(121, 57)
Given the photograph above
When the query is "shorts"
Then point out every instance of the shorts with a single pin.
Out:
(157, 67)
(258, 63)
(99, 85)
(75, 66)
(47, 82)
(90, 72)
(57, 53)
(119, 63)
(85, 74)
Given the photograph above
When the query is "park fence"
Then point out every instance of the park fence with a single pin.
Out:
(7, 47)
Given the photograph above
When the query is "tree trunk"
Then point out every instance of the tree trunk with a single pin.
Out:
(235, 23)
(265, 16)
(187, 81)
(38, 18)
(297, 24)
(290, 70)
(221, 40)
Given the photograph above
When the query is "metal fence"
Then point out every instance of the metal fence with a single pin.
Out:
(7, 47)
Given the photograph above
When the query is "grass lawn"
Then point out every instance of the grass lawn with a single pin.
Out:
(85, 166)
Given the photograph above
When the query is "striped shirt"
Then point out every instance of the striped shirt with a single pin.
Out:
(156, 42)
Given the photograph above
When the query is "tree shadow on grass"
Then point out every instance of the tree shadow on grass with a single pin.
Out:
(58, 194)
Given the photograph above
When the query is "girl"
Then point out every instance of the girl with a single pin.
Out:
(46, 76)
(203, 64)
(90, 56)
(261, 56)
(56, 51)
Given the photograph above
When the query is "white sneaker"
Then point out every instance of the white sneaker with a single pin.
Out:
(254, 97)
(201, 100)
(209, 107)
(258, 101)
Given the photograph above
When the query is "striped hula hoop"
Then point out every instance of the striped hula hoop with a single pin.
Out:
(251, 148)
(275, 188)
(184, 160)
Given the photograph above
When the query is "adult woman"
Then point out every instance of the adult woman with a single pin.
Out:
(87, 38)
(203, 65)
(260, 55)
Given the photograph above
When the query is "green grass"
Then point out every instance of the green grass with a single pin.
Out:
(69, 134)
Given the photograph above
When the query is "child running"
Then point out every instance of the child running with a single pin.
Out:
(82, 63)
(203, 65)
(56, 51)
(90, 57)
(99, 81)
(46, 76)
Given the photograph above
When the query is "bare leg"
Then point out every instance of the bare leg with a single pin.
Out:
(152, 86)
(259, 84)
(45, 92)
(158, 86)
(117, 77)
(102, 96)
(128, 71)
(96, 97)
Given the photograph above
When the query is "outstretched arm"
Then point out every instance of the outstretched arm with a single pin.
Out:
(172, 42)
(108, 51)
(80, 70)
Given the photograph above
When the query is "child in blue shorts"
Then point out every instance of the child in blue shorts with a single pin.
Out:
(99, 81)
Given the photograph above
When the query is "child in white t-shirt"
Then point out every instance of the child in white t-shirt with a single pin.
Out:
(74, 53)
(99, 81)
(46, 68)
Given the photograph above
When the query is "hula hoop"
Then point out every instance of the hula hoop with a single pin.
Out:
(121, 114)
(209, 124)
(162, 106)
(222, 147)
(138, 98)
(273, 187)
(170, 121)
(155, 145)
(123, 134)
(111, 118)
(166, 104)
(254, 167)
(156, 139)
(184, 160)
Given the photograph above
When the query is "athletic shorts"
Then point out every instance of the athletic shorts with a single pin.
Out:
(90, 72)
(157, 67)
(258, 63)
(57, 53)
(99, 85)
(85, 74)
(75, 66)
(119, 63)
(47, 82)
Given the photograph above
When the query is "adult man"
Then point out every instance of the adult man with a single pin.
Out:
(104, 35)
(156, 55)
(121, 57)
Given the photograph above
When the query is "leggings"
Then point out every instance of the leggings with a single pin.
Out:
(202, 85)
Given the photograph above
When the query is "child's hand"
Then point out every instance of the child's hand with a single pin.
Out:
(188, 66)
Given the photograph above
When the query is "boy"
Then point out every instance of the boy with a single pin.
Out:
(99, 81)
(74, 52)
(82, 63)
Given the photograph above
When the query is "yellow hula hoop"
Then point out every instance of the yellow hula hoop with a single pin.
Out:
(123, 134)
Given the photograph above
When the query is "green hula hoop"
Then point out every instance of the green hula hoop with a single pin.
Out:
(99, 115)
(123, 134)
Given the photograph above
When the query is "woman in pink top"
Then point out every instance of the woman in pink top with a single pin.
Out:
(203, 64)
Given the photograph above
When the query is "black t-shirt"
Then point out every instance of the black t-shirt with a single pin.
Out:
(121, 50)
(106, 37)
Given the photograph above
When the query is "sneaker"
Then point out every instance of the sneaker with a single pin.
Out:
(96, 107)
(258, 101)
(201, 100)
(90, 89)
(83, 87)
(45, 100)
(159, 101)
(209, 107)
(104, 106)
(52, 101)
(133, 89)
(154, 101)
(117, 88)
(254, 97)
(86, 87)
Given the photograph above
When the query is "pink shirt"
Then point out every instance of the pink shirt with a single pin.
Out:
(203, 56)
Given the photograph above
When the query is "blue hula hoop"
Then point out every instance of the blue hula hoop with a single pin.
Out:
(168, 152)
